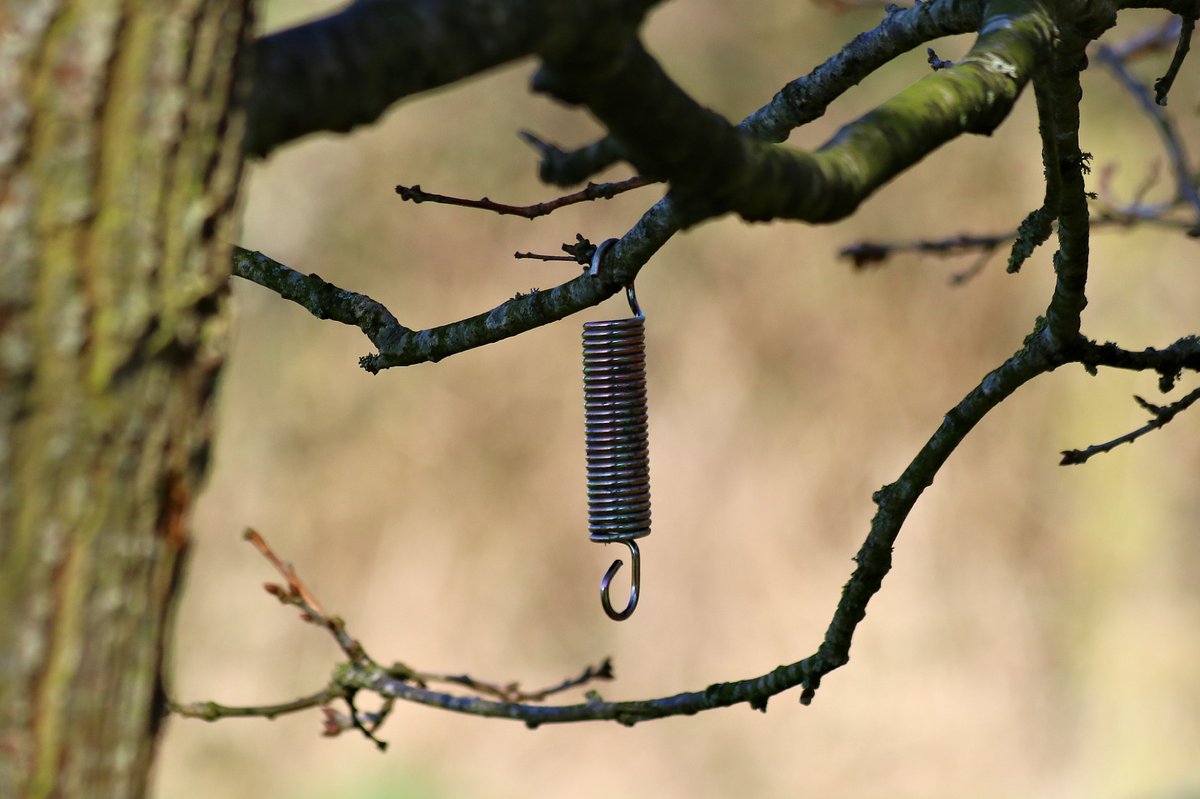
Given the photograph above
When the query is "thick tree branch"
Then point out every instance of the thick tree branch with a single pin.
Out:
(804, 99)
(399, 346)
(345, 70)
(713, 168)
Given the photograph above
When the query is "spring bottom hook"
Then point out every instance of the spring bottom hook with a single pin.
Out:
(635, 559)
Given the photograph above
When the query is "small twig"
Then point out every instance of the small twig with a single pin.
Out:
(868, 253)
(935, 62)
(1185, 181)
(561, 167)
(593, 191)
(212, 711)
(348, 678)
(1163, 85)
(298, 595)
(335, 722)
(865, 254)
(1162, 415)
(540, 257)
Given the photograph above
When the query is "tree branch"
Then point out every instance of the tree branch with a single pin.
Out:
(1162, 414)
(802, 100)
(566, 168)
(894, 502)
(1058, 112)
(323, 300)
(1169, 362)
(345, 70)
(399, 346)
(1185, 181)
(713, 169)
(1162, 86)
(593, 191)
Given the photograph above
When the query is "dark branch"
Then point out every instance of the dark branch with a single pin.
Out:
(1169, 362)
(345, 70)
(567, 167)
(803, 99)
(1162, 414)
(1058, 95)
(713, 168)
(1162, 86)
(870, 253)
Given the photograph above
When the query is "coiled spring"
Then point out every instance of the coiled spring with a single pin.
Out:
(618, 455)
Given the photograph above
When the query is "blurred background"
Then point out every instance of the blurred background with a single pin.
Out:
(1037, 637)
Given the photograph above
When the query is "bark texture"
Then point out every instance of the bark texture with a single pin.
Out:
(119, 165)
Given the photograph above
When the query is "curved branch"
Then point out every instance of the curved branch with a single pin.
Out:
(894, 502)
(713, 168)
(803, 99)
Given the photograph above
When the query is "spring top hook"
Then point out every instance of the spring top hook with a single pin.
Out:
(594, 269)
(618, 467)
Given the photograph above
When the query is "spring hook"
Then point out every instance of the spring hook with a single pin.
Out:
(617, 445)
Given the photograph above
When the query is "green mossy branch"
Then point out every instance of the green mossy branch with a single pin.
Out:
(713, 168)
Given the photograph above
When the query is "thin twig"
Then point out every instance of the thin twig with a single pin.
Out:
(1162, 86)
(561, 167)
(1162, 415)
(800, 101)
(535, 256)
(212, 711)
(869, 253)
(1185, 181)
(298, 595)
(593, 191)
(511, 692)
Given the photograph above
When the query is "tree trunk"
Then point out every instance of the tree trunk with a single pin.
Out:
(119, 164)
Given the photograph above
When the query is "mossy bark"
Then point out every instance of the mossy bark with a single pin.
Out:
(119, 165)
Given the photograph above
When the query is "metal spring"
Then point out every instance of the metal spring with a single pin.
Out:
(618, 456)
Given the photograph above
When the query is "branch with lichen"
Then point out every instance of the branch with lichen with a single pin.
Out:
(899, 32)
(713, 168)
(1107, 211)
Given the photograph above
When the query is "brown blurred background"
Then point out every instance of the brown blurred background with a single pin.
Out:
(1039, 635)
